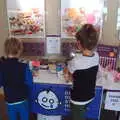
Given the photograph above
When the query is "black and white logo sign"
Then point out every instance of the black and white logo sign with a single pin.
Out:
(48, 100)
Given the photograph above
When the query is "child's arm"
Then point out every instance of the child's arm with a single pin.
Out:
(28, 76)
(67, 75)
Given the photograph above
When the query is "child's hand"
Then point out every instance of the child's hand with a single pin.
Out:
(67, 75)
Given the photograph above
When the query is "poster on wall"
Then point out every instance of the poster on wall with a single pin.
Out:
(75, 13)
(26, 18)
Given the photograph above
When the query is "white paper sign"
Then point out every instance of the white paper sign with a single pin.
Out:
(53, 45)
(112, 101)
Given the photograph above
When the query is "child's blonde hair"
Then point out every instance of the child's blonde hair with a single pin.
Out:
(13, 46)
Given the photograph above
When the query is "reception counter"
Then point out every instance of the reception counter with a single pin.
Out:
(45, 76)
(50, 96)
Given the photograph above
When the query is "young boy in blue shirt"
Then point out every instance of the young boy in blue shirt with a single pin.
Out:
(16, 79)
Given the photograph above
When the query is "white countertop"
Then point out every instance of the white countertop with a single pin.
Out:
(52, 78)
(108, 84)
(46, 76)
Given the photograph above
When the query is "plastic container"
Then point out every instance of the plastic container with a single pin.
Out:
(59, 70)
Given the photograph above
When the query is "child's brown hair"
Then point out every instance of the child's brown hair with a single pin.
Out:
(13, 46)
(87, 36)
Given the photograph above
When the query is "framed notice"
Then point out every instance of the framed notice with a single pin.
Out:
(112, 101)
(75, 13)
(26, 18)
(53, 45)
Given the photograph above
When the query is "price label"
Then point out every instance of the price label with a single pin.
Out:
(112, 101)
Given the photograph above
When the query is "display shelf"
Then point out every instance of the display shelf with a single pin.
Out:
(26, 19)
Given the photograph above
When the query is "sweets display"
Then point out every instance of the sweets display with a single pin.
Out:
(26, 19)
(22, 23)
(75, 14)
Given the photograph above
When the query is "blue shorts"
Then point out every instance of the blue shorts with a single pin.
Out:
(20, 108)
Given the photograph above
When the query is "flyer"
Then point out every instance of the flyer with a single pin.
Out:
(53, 45)
(112, 101)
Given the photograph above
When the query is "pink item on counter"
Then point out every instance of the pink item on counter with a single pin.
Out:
(36, 63)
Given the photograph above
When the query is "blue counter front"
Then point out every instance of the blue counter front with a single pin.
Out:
(50, 99)
(54, 99)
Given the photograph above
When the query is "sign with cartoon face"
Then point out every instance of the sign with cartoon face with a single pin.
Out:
(48, 100)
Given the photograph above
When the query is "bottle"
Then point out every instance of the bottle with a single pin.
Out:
(59, 70)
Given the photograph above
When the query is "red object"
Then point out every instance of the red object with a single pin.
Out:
(29, 32)
(36, 63)
(71, 29)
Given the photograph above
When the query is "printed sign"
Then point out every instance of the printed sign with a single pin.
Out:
(50, 99)
(53, 45)
(112, 101)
